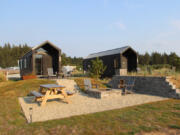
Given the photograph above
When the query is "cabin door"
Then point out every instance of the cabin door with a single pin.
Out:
(124, 62)
(47, 63)
(42, 63)
(39, 64)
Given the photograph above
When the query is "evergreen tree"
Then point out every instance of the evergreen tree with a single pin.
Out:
(147, 58)
(97, 68)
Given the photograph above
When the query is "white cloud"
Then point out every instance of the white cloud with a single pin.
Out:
(176, 24)
(118, 25)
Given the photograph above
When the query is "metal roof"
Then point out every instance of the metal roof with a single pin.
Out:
(108, 52)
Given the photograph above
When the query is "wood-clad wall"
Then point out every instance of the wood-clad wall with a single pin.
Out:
(127, 60)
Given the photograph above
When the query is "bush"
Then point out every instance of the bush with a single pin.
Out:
(160, 66)
(97, 68)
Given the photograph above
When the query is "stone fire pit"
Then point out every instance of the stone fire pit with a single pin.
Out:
(102, 93)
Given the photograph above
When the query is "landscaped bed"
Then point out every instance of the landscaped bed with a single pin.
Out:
(130, 120)
(102, 84)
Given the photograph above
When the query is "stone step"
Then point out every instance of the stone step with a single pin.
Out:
(173, 86)
(177, 96)
(177, 90)
(154, 85)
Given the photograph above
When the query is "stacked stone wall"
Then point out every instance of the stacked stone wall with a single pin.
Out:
(160, 86)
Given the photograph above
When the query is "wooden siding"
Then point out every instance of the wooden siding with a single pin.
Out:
(108, 61)
(50, 59)
(126, 60)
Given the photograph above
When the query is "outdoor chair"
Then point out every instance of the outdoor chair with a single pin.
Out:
(127, 86)
(130, 84)
(50, 73)
(88, 85)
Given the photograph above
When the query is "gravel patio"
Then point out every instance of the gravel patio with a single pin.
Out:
(81, 104)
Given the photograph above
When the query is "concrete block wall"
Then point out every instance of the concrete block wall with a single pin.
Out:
(159, 86)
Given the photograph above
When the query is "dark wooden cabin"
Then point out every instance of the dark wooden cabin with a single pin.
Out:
(39, 59)
(117, 61)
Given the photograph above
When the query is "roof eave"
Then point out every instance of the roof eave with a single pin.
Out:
(127, 47)
(46, 42)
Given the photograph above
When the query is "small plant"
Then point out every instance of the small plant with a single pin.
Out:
(97, 68)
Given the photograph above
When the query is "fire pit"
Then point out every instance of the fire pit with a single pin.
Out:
(102, 93)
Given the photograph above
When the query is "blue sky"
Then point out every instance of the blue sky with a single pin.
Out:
(80, 27)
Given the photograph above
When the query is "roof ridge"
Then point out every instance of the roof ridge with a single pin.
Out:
(110, 50)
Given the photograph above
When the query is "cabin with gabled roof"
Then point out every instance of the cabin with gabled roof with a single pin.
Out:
(39, 59)
(118, 61)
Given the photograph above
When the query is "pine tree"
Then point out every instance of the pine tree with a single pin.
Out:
(97, 68)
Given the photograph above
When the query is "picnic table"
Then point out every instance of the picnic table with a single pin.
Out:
(50, 91)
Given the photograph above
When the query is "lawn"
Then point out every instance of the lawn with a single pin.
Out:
(126, 121)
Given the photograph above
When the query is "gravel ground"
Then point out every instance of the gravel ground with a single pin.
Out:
(81, 104)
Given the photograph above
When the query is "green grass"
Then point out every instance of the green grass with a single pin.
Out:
(126, 121)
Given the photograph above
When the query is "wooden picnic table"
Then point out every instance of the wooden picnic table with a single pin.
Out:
(52, 91)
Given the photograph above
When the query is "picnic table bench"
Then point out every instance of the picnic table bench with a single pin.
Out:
(37, 94)
(50, 91)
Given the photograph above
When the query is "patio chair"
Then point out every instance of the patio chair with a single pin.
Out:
(50, 73)
(128, 86)
(88, 85)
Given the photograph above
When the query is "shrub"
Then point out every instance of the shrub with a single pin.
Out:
(97, 68)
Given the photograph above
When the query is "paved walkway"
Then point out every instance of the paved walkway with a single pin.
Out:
(81, 104)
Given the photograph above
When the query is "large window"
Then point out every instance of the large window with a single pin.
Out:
(25, 63)
(116, 63)
(20, 62)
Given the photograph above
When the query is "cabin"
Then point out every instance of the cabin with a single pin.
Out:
(40, 59)
(118, 61)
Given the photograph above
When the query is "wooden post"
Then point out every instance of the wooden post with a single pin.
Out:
(59, 63)
(6, 74)
(33, 63)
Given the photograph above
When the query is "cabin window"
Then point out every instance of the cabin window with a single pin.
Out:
(115, 63)
(25, 63)
(21, 64)
(41, 50)
(59, 59)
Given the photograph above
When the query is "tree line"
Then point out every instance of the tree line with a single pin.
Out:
(156, 58)
(74, 61)
(10, 54)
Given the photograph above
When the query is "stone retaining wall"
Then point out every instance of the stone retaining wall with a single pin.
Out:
(160, 86)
